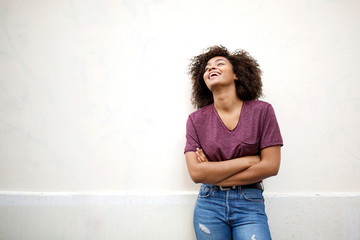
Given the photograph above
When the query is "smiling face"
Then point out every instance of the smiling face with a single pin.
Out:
(219, 72)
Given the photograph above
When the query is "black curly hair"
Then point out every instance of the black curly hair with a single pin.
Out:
(245, 67)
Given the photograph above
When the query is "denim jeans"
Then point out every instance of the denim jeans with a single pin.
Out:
(237, 214)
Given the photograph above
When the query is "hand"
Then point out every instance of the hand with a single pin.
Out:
(201, 157)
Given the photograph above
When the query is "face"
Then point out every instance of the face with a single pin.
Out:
(219, 72)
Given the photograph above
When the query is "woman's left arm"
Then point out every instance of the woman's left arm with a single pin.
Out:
(267, 167)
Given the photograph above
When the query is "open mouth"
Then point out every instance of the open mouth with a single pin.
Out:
(214, 74)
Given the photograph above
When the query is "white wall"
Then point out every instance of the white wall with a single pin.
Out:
(34, 216)
(94, 95)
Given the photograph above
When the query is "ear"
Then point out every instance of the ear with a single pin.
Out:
(235, 77)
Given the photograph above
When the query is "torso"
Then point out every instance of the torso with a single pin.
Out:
(224, 137)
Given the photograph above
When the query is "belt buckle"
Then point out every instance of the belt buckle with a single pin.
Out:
(224, 188)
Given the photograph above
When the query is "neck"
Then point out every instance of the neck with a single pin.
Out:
(226, 101)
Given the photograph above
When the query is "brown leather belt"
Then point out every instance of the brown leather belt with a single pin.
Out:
(254, 185)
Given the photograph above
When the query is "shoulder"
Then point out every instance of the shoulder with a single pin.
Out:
(258, 105)
(202, 113)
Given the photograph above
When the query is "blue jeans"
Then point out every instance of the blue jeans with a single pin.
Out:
(233, 214)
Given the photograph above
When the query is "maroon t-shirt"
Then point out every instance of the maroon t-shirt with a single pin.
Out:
(257, 129)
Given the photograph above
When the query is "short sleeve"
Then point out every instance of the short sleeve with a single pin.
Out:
(192, 140)
(270, 135)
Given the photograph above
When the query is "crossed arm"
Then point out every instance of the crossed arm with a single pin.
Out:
(238, 171)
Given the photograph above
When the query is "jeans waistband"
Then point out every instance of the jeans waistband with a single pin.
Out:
(257, 185)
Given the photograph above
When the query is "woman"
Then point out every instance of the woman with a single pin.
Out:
(232, 143)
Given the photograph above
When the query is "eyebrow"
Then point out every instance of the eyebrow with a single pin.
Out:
(220, 59)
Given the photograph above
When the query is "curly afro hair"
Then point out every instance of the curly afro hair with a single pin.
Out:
(246, 68)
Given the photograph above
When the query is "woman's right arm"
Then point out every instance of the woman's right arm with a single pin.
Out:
(214, 172)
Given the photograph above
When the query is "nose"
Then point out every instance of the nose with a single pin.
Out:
(211, 68)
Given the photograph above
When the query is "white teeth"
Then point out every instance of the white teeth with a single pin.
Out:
(214, 74)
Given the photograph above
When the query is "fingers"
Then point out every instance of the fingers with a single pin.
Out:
(200, 158)
(201, 155)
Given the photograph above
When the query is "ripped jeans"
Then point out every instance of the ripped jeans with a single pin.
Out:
(237, 214)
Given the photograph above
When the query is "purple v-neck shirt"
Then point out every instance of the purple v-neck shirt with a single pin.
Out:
(257, 128)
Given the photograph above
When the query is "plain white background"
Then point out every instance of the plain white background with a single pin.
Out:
(94, 95)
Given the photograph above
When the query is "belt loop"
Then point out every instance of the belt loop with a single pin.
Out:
(239, 190)
(224, 188)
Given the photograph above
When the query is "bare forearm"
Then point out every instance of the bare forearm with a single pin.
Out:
(253, 174)
(267, 167)
(213, 172)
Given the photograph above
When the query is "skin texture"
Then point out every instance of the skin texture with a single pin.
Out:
(203, 171)
(220, 79)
